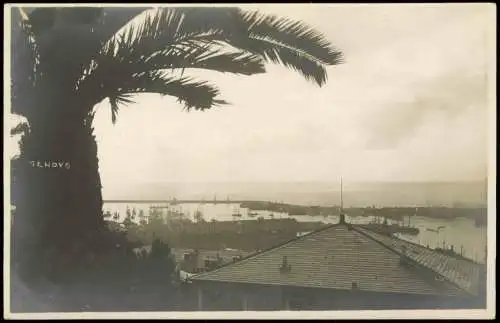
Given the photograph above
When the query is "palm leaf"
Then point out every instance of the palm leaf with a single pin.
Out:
(115, 100)
(293, 34)
(192, 55)
(112, 70)
(188, 55)
(193, 94)
(180, 38)
(264, 35)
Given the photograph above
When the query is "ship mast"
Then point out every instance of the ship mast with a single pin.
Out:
(341, 197)
(342, 215)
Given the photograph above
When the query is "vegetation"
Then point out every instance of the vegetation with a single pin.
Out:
(67, 60)
(197, 233)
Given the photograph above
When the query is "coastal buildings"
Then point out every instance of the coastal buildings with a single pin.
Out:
(197, 261)
(342, 266)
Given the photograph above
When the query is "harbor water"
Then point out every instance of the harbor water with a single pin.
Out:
(461, 233)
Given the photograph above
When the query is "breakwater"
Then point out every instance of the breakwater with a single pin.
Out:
(478, 214)
(391, 229)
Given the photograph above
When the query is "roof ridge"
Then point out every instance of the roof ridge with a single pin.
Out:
(357, 229)
(425, 247)
(253, 255)
(469, 261)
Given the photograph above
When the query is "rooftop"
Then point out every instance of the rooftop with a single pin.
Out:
(226, 255)
(341, 256)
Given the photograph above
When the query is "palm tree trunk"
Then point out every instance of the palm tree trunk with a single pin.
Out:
(56, 189)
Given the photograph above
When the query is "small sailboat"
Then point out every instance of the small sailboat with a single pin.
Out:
(252, 214)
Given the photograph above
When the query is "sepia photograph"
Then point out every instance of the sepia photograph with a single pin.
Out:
(249, 160)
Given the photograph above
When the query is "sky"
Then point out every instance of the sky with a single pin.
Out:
(409, 104)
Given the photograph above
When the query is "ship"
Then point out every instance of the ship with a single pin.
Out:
(437, 229)
(237, 213)
(391, 229)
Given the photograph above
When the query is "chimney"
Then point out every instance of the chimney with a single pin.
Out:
(285, 266)
(404, 259)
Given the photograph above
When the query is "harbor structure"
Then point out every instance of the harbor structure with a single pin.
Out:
(339, 267)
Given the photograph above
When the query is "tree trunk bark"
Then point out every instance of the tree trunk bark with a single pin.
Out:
(56, 190)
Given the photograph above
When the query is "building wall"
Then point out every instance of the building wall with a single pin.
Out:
(235, 297)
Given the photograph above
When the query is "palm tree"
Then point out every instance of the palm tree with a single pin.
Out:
(66, 60)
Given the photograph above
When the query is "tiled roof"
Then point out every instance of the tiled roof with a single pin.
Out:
(463, 273)
(340, 255)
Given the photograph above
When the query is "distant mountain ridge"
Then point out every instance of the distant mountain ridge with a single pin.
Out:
(324, 193)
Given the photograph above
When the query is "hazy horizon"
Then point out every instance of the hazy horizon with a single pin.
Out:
(313, 192)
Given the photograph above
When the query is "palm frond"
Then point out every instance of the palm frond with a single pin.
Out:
(293, 34)
(293, 42)
(188, 55)
(193, 55)
(310, 69)
(193, 94)
(219, 39)
(116, 100)
(276, 40)
(111, 69)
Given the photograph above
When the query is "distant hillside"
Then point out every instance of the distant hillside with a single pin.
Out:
(306, 193)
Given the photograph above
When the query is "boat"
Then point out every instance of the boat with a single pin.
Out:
(391, 229)
(237, 214)
(436, 230)
(252, 214)
(407, 230)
